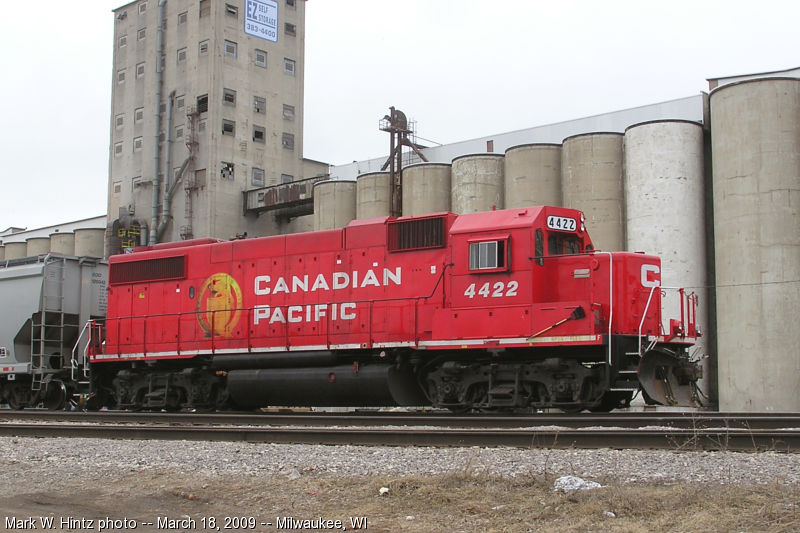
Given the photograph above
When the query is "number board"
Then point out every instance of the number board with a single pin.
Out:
(261, 19)
(561, 223)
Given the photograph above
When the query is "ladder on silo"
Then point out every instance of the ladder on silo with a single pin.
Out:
(47, 326)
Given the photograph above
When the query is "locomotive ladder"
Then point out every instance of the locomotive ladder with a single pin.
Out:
(47, 335)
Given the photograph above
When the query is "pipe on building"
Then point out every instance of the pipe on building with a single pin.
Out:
(166, 206)
(178, 177)
(156, 159)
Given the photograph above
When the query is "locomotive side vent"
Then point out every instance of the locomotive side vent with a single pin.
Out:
(416, 234)
(161, 269)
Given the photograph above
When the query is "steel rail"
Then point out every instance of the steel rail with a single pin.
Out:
(665, 438)
(686, 420)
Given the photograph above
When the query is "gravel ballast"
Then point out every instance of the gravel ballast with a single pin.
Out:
(82, 457)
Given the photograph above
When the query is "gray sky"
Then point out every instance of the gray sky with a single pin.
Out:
(462, 69)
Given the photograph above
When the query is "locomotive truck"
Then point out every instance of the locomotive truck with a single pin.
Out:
(503, 310)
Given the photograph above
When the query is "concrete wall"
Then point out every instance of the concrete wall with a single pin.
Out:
(533, 175)
(426, 188)
(37, 246)
(62, 243)
(214, 204)
(15, 250)
(373, 195)
(334, 204)
(476, 183)
(665, 216)
(89, 242)
(591, 180)
(755, 135)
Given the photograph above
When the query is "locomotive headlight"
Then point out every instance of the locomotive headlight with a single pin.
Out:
(583, 228)
(583, 217)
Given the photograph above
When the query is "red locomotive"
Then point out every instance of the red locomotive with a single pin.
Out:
(506, 309)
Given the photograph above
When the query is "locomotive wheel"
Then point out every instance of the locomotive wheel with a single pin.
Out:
(611, 401)
(222, 398)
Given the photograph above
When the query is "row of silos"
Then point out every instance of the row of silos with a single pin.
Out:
(643, 190)
(585, 172)
(83, 242)
(726, 227)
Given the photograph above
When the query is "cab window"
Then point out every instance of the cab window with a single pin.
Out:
(488, 255)
(558, 244)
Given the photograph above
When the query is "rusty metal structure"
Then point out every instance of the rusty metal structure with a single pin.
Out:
(286, 200)
(401, 134)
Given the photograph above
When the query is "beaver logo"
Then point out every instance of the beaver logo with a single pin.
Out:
(219, 303)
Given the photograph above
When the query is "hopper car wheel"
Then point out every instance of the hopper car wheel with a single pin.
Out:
(18, 397)
(55, 397)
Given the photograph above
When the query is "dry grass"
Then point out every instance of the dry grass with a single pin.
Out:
(473, 502)
(464, 501)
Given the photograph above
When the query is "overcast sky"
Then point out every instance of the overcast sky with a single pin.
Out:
(460, 68)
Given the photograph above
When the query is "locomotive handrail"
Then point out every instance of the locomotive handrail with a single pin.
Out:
(644, 315)
(688, 303)
(73, 360)
(610, 305)
(249, 310)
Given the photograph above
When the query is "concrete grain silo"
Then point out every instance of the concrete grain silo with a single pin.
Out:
(89, 242)
(665, 216)
(476, 183)
(37, 246)
(426, 188)
(334, 204)
(62, 243)
(591, 180)
(300, 224)
(15, 250)
(373, 195)
(755, 132)
(533, 175)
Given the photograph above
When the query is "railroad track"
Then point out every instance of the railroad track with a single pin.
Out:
(679, 431)
(623, 419)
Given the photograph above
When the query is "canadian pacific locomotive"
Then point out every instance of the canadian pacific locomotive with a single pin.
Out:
(510, 309)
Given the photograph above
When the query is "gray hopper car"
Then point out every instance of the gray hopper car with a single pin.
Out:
(47, 300)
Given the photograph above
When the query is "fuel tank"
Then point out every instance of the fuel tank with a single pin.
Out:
(334, 386)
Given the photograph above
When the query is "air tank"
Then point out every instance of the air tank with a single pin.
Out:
(334, 204)
(591, 180)
(373, 195)
(426, 188)
(533, 175)
(62, 243)
(89, 242)
(476, 183)
(37, 246)
(665, 216)
(15, 250)
(755, 132)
